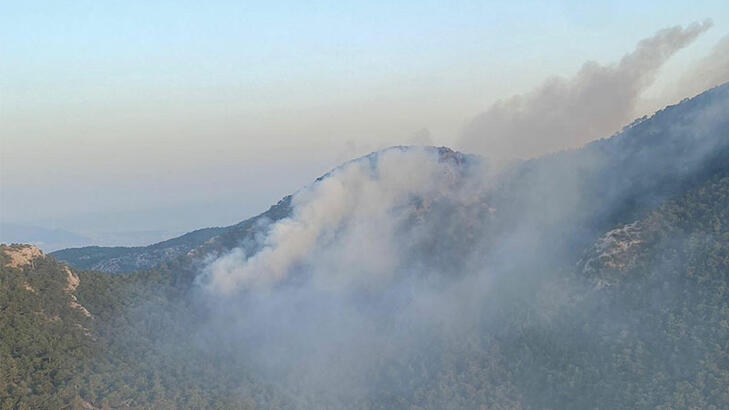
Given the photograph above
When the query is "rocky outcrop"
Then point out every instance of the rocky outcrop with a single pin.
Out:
(23, 256)
(613, 254)
(19, 255)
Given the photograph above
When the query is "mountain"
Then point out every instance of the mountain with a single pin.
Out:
(127, 259)
(411, 278)
(200, 242)
(647, 162)
(50, 239)
(122, 259)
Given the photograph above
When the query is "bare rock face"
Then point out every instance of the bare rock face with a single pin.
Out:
(23, 256)
(72, 280)
(19, 255)
(613, 254)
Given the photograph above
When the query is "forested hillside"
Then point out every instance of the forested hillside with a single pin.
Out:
(593, 278)
(120, 259)
(640, 322)
(88, 340)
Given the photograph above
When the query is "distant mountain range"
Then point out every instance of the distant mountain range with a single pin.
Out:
(50, 239)
(55, 239)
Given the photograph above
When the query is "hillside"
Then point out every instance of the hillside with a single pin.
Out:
(619, 325)
(81, 340)
(635, 170)
(199, 242)
(411, 278)
(127, 259)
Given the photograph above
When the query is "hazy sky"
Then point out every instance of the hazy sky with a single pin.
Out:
(172, 115)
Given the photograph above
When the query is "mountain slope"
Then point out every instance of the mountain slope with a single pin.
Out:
(644, 322)
(126, 259)
(592, 278)
(606, 182)
(43, 331)
(197, 243)
(638, 323)
(93, 340)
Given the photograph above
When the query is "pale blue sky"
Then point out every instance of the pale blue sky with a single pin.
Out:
(181, 106)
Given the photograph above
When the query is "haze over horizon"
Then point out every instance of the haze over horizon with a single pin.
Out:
(152, 120)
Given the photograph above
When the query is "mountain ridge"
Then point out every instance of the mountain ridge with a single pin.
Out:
(594, 278)
(128, 259)
(635, 137)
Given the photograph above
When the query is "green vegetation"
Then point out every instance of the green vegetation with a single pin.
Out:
(617, 298)
(126, 355)
(651, 333)
(121, 259)
(118, 259)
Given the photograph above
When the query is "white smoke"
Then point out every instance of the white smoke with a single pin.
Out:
(342, 228)
(395, 258)
(567, 112)
(710, 71)
(358, 272)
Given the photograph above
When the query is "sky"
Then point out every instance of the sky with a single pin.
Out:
(124, 117)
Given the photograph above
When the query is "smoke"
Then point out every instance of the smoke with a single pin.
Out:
(709, 72)
(376, 257)
(421, 137)
(397, 274)
(343, 227)
(565, 113)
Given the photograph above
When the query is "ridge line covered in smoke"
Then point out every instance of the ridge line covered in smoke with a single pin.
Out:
(359, 202)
